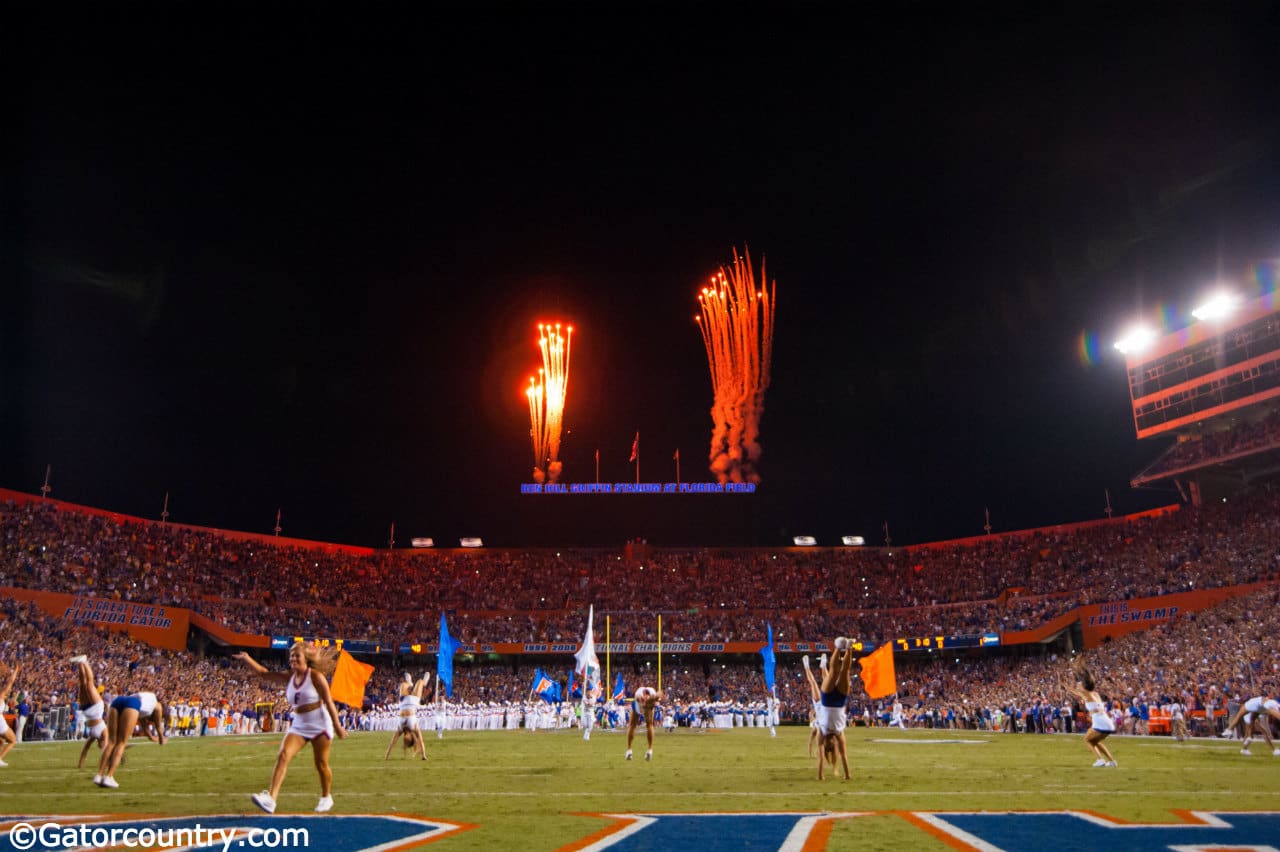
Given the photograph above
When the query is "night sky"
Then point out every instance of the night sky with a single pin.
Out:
(297, 261)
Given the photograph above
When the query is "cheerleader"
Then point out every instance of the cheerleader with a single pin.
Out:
(92, 708)
(315, 719)
(126, 713)
(833, 695)
(1086, 691)
(642, 705)
(7, 738)
(407, 724)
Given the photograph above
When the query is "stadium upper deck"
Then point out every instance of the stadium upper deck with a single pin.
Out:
(1000, 583)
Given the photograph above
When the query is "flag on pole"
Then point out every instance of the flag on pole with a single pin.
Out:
(444, 659)
(619, 688)
(676, 457)
(575, 688)
(635, 448)
(878, 676)
(349, 679)
(544, 687)
(540, 682)
(770, 661)
(585, 657)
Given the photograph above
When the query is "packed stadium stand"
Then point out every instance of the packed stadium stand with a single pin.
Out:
(1037, 596)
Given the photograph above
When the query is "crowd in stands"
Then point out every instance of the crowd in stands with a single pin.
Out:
(1206, 659)
(1197, 451)
(704, 596)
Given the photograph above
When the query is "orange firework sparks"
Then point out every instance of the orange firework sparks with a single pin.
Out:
(547, 393)
(737, 329)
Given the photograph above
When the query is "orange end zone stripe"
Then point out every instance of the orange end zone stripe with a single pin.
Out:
(615, 825)
(933, 831)
(817, 839)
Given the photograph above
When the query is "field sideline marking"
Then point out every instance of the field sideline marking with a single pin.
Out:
(358, 794)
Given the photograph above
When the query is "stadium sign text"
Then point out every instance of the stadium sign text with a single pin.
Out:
(1119, 613)
(637, 488)
(99, 611)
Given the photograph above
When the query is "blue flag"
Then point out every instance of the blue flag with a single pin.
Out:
(544, 687)
(619, 688)
(770, 661)
(444, 659)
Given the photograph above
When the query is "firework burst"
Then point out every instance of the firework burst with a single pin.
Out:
(547, 392)
(737, 328)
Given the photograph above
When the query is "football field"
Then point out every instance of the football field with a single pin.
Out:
(550, 790)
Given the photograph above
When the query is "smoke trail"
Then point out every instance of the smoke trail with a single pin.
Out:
(737, 329)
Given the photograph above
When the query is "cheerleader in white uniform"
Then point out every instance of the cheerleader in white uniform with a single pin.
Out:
(315, 719)
(407, 724)
(92, 708)
(1102, 725)
(7, 738)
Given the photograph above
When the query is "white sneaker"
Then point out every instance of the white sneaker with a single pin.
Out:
(805, 662)
(1100, 762)
(2, 763)
(1245, 743)
(1245, 752)
(80, 658)
(628, 754)
(326, 802)
(97, 779)
(263, 800)
(648, 755)
(108, 781)
(586, 735)
(1111, 763)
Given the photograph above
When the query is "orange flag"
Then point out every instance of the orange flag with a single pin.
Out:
(878, 676)
(349, 680)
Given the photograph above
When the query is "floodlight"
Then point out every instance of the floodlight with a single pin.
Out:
(805, 541)
(1136, 339)
(1218, 306)
(853, 540)
(422, 542)
(470, 542)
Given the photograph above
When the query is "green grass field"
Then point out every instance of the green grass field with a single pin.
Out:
(530, 791)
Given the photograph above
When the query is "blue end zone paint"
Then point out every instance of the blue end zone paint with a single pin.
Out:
(1074, 832)
(332, 833)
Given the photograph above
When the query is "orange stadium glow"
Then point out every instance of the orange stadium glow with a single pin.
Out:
(737, 329)
(546, 394)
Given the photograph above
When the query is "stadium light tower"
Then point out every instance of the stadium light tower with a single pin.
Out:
(1136, 339)
(1219, 305)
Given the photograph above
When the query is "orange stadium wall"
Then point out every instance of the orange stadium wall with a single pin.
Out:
(1114, 619)
(158, 626)
(1120, 618)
